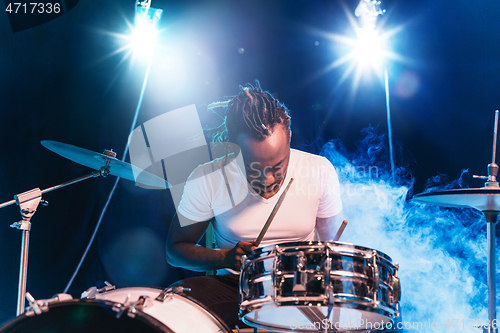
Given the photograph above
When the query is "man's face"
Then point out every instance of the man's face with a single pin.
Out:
(266, 162)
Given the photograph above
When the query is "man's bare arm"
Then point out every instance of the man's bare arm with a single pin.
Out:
(327, 227)
(183, 251)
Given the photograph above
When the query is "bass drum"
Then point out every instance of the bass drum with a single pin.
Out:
(178, 312)
(82, 316)
(121, 310)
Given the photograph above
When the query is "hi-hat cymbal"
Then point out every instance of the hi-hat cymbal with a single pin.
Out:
(96, 161)
(484, 199)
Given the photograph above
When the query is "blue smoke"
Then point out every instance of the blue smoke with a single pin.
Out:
(441, 252)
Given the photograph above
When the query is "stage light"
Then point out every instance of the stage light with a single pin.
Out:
(139, 42)
(367, 11)
(364, 51)
(368, 49)
(142, 42)
(145, 31)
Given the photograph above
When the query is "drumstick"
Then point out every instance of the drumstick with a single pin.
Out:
(341, 230)
(273, 213)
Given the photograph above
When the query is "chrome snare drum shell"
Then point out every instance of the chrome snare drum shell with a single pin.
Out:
(310, 286)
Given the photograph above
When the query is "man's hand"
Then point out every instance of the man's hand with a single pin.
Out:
(233, 259)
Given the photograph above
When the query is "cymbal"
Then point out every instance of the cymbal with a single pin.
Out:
(484, 198)
(96, 161)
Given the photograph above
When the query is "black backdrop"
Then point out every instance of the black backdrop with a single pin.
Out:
(61, 81)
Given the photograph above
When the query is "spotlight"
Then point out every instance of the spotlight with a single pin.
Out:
(145, 32)
(367, 11)
(368, 48)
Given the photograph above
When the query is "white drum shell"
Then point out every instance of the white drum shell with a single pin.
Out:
(177, 312)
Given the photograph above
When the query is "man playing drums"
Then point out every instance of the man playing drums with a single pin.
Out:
(237, 198)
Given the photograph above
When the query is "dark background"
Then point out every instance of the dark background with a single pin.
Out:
(63, 81)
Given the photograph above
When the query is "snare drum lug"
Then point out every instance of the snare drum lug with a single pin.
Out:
(376, 277)
(274, 273)
(300, 276)
(396, 289)
(243, 286)
(327, 269)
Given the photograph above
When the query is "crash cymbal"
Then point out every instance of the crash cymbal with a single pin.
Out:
(96, 161)
(484, 199)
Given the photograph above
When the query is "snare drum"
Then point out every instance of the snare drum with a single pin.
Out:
(121, 310)
(313, 286)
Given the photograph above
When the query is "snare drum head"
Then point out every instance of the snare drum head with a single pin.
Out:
(313, 318)
(82, 316)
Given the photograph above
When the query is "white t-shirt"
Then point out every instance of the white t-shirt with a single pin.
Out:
(223, 192)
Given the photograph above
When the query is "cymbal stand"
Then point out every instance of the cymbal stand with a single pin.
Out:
(28, 203)
(491, 219)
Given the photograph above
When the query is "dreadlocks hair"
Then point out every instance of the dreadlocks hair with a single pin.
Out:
(254, 112)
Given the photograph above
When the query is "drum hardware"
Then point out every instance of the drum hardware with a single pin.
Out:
(255, 304)
(376, 278)
(340, 285)
(93, 291)
(33, 304)
(169, 306)
(243, 288)
(492, 167)
(28, 202)
(327, 266)
(120, 307)
(144, 314)
(166, 294)
(131, 308)
(395, 287)
(276, 264)
(326, 278)
(485, 199)
(300, 275)
(38, 307)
